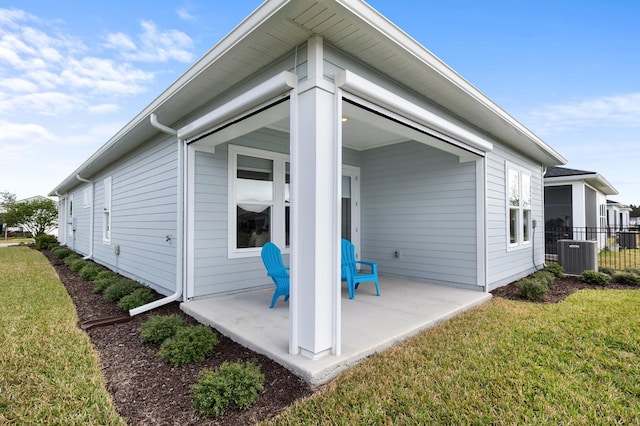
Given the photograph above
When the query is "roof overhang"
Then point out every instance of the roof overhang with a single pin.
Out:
(595, 180)
(278, 27)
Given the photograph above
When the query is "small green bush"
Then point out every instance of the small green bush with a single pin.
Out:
(606, 270)
(104, 280)
(555, 269)
(545, 276)
(77, 264)
(69, 259)
(90, 271)
(233, 386)
(61, 252)
(627, 278)
(159, 328)
(190, 344)
(532, 288)
(631, 270)
(45, 241)
(139, 297)
(595, 278)
(119, 289)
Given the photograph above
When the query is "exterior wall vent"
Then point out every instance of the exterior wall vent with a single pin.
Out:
(576, 256)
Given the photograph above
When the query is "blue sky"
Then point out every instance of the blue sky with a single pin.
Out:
(72, 73)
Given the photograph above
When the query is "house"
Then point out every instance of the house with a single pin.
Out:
(575, 206)
(618, 215)
(311, 121)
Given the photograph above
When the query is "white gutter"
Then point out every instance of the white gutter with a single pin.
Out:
(91, 230)
(179, 225)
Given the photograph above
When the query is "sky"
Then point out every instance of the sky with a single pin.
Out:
(73, 73)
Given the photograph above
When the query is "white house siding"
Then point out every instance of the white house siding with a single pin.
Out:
(507, 265)
(143, 209)
(421, 202)
(213, 271)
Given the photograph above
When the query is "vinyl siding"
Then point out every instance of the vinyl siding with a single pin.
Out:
(143, 210)
(507, 265)
(422, 202)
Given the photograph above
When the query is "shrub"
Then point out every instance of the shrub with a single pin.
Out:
(555, 269)
(627, 278)
(78, 264)
(532, 288)
(189, 344)
(71, 258)
(233, 386)
(159, 328)
(104, 280)
(595, 278)
(544, 276)
(45, 241)
(631, 270)
(61, 252)
(609, 271)
(139, 297)
(120, 288)
(90, 271)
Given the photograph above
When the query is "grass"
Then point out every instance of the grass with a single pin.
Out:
(628, 258)
(503, 363)
(16, 240)
(49, 373)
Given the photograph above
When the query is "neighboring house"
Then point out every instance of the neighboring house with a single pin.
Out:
(575, 206)
(618, 216)
(20, 228)
(311, 121)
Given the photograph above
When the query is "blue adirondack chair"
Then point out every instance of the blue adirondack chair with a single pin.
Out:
(272, 259)
(350, 272)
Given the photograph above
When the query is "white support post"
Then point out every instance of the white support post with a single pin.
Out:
(316, 179)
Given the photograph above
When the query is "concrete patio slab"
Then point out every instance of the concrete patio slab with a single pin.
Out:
(370, 324)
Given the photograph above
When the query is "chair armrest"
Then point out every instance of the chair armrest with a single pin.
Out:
(372, 265)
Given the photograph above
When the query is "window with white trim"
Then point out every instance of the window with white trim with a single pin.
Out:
(106, 212)
(70, 215)
(86, 197)
(259, 202)
(519, 206)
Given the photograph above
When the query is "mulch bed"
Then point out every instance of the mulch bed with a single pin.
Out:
(559, 290)
(148, 391)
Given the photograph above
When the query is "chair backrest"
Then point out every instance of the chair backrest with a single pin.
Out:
(348, 257)
(272, 257)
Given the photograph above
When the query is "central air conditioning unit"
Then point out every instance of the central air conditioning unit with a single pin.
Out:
(577, 256)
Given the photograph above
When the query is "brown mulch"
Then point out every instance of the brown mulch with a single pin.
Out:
(148, 391)
(559, 290)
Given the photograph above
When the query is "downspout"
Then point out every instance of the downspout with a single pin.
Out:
(91, 218)
(179, 225)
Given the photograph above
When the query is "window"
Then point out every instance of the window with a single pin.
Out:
(259, 204)
(70, 215)
(519, 205)
(86, 197)
(106, 215)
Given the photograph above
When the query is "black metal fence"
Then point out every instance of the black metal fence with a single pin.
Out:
(617, 248)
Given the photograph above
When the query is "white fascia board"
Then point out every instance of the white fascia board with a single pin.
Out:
(353, 83)
(405, 42)
(594, 179)
(276, 85)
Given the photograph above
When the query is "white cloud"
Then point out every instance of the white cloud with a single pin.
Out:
(619, 110)
(184, 14)
(18, 141)
(154, 45)
(120, 41)
(18, 85)
(103, 108)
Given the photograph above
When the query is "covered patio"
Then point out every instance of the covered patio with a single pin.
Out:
(370, 324)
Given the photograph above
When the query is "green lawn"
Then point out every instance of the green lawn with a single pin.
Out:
(504, 363)
(49, 373)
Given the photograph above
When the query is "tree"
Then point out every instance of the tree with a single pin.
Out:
(37, 216)
(7, 198)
